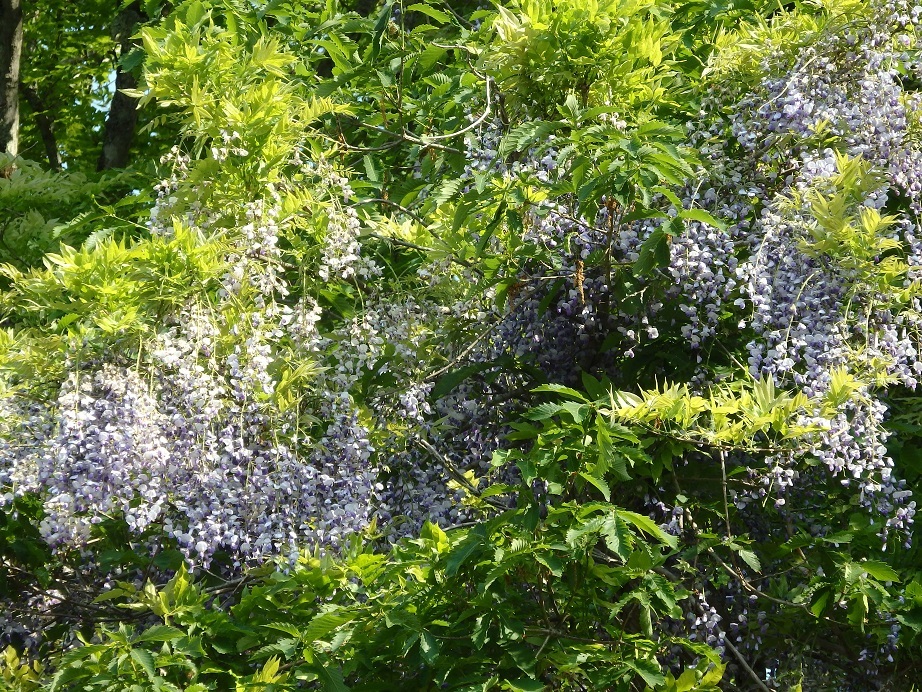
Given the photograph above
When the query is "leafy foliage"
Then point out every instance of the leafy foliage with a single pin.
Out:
(552, 346)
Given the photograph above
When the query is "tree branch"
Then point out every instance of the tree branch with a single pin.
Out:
(44, 124)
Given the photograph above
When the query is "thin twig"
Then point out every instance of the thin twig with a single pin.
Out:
(426, 139)
(480, 337)
(723, 473)
(409, 138)
(398, 241)
(456, 473)
(742, 661)
(431, 140)
(749, 586)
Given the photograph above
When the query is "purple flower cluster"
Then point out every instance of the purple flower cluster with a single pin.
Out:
(810, 312)
(195, 438)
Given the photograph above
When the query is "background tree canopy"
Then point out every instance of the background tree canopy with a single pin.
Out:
(550, 345)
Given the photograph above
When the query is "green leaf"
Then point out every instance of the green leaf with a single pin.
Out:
(820, 600)
(609, 458)
(658, 128)
(911, 620)
(524, 685)
(577, 412)
(749, 557)
(463, 551)
(285, 627)
(852, 572)
(144, 658)
(702, 216)
(598, 483)
(526, 136)
(195, 13)
(450, 189)
(594, 388)
(879, 570)
(686, 681)
(576, 534)
(65, 675)
(433, 533)
(561, 389)
(431, 12)
(648, 526)
(646, 621)
(649, 671)
(640, 560)
(332, 678)
(321, 625)
(428, 647)
(160, 633)
(370, 172)
(431, 56)
(654, 252)
(839, 537)
(858, 610)
(543, 411)
(554, 564)
(488, 232)
(286, 647)
(110, 595)
(131, 61)
(714, 675)
(380, 27)
(670, 195)
(617, 536)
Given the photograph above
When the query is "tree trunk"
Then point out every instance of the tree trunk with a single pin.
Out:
(10, 51)
(45, 125)
(123, 112)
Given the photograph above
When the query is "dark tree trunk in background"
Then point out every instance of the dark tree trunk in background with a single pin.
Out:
(45, 125)
(10, 51)
(123, 112)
